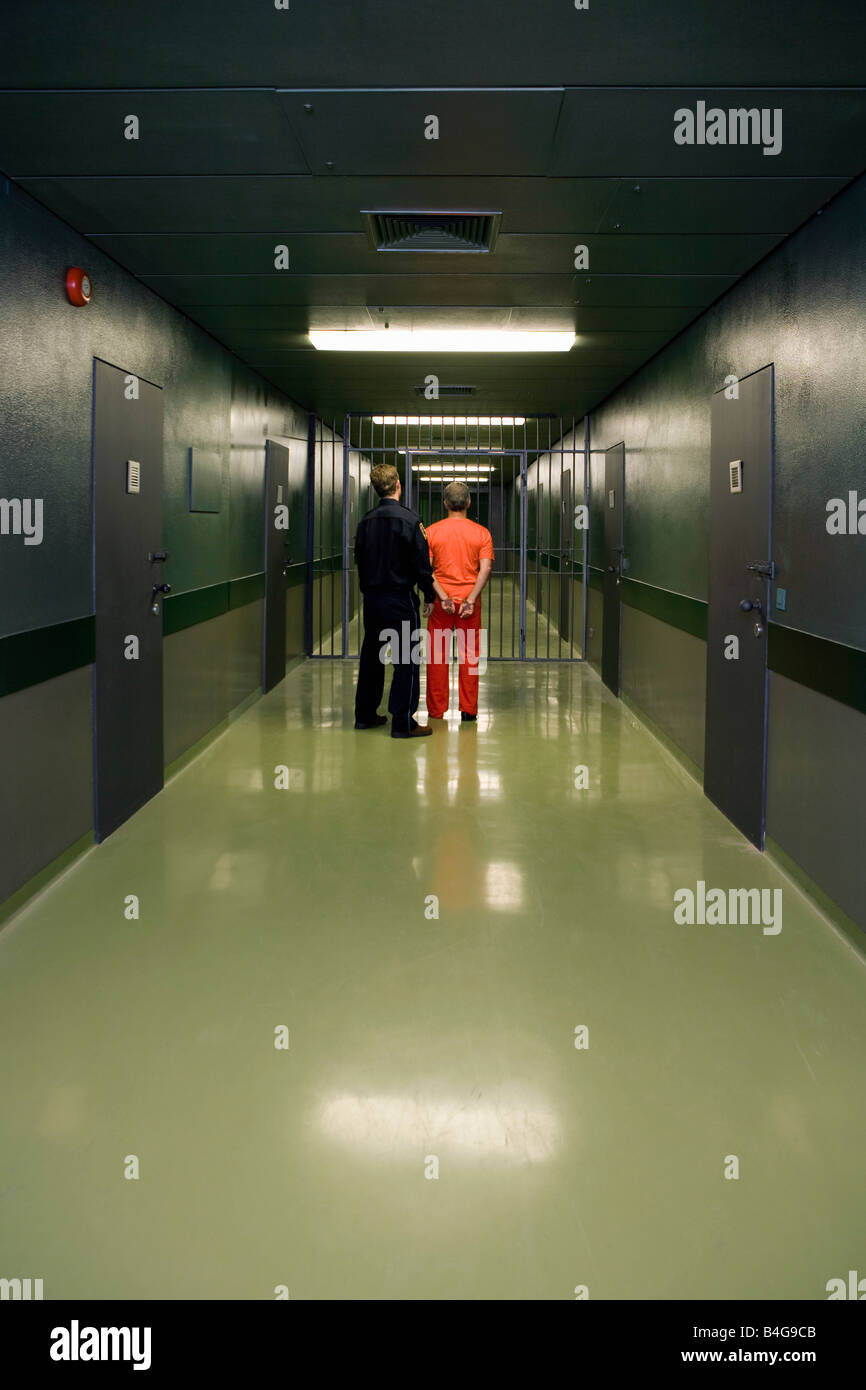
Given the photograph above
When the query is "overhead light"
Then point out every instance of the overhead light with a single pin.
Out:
(438, 340)
(507, 420)
(456, 468)
(453, 478)
(442, 451)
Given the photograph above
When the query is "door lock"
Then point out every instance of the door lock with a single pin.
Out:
(154, 555)
(158, 589)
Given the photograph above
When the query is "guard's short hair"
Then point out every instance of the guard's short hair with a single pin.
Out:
(384, 478)
(457, 497)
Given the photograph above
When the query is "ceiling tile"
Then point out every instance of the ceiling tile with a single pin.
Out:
(79, 43)
(720, 205)
(490, 131)
(630, 132)
(306, 204)
(207, 132)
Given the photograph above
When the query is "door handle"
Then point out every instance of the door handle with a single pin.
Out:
(767, 569)
(747, 604)
(158, 589)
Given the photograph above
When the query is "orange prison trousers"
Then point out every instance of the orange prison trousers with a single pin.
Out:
(440, 625)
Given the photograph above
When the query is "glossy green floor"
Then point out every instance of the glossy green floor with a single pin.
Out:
(413, 1038)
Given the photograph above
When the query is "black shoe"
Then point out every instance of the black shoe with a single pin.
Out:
(416, 731)
(375, 723)
(467, 718)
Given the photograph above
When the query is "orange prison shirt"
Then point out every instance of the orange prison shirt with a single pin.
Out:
(456, 547)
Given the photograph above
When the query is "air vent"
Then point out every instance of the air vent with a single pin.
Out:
(448, 391)
(432, 231)
(735, 468)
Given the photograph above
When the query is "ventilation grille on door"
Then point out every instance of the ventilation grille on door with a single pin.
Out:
(448, 391)
(432, 231)
(736, 472)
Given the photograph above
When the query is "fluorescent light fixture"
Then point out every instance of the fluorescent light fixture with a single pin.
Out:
(454, 468)
(452, 478)
(441, 454)
(506, 420)
(438, 340)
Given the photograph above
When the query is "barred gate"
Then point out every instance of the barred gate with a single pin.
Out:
(528, 481)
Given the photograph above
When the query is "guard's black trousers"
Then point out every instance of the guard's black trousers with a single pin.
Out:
(388, 612)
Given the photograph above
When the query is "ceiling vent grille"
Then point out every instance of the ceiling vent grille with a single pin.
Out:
(433, 231)
(448, 391)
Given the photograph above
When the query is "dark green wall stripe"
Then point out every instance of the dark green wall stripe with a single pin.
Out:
(829, 668)
(199, 605)
(246, 590)
(328, 564)
(195, 606)
(826, 667)
(27, 658)
(677, 610)
(552, 560)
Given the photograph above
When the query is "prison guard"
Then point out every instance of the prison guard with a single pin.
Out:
(391, 550)
(392, 558)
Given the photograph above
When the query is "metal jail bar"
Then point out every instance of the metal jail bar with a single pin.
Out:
(527, 476)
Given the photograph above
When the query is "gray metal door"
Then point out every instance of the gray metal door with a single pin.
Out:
(740, 570)
(614, 515)
(276, 540)
(128, 588)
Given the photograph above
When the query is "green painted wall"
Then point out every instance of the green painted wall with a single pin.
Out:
(802, 309)
(212, 403)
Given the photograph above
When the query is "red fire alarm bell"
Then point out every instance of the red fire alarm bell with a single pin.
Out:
(78, 286)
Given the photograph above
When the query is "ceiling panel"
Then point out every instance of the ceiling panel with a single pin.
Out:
(296, 320)
(299, 318)
(98, 43)
(308, 204)
(574, 145)
(325, 253)
(690, 205)
(192, 290)
(211, 132)
(630, 131)
(689, 291)
(385, 132)
(516, 394)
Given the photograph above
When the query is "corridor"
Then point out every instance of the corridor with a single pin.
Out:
(414, 1037)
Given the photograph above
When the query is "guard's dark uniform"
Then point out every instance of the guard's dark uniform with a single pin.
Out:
(392, 558)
